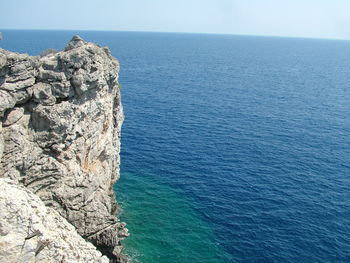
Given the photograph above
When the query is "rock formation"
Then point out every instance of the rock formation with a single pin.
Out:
(32, 232)
(61, 117)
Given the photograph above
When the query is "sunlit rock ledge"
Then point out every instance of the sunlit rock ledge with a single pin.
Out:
(61, 117)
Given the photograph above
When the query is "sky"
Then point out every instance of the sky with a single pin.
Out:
(296, 18)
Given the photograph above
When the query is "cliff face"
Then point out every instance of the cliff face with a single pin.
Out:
(60, 136)
(32, 232)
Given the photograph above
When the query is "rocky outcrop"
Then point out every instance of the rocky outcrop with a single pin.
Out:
(32, 232)
(61, 117)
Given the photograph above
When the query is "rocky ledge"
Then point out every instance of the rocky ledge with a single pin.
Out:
(61, 117)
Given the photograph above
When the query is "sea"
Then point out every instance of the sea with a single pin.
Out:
(234, 148)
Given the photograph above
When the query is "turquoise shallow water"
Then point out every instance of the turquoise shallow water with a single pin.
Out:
(242, 143)
(163, 225)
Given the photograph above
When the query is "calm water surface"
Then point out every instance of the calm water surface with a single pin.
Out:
(234, 149)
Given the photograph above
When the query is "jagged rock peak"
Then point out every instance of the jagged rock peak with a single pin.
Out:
(76, 38)
(75, 42)
(60, 124)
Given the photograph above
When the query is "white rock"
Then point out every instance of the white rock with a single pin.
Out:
(32, 232)
(64, 144)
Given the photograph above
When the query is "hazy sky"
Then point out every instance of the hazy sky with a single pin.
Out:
(302, 18)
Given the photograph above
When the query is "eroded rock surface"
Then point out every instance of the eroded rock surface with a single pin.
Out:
(61, 117)
(32, 232)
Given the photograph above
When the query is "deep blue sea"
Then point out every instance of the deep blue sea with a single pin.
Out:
(234, 148)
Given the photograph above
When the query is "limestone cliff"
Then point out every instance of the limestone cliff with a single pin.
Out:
(61, 117)
(32, 232)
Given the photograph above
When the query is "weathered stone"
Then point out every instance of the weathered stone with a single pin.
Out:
(13, 116)
(64, 143)
(32, 232)
(48, 75)
(6, 102)
(75, 42)
(18, 73)
(3, 60)
(1, 142)
(42, 94)
(50, 62)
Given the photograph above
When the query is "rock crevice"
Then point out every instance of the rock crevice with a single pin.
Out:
(61, 117)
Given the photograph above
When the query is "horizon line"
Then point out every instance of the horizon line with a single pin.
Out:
(179, 32)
